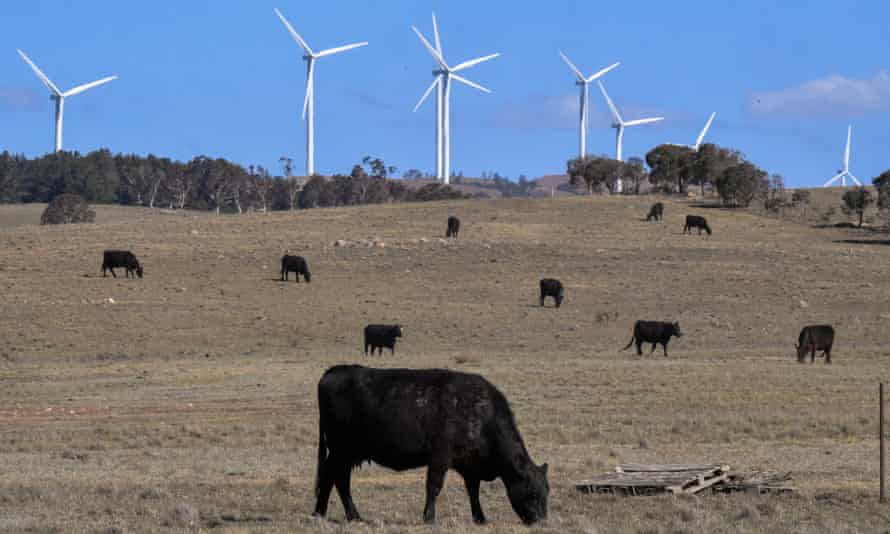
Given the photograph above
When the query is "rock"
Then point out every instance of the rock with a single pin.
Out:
(804, 304)
(340, 243)
(194, 232)
(109, 300)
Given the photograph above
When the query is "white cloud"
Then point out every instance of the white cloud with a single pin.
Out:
(829, 96)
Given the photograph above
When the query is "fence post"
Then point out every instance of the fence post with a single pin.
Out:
(883, 498)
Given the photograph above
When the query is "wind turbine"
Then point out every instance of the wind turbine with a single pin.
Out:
(443, 76)
(308, 103)
(583, 103)
(620, 124)
(60, 96)
(845, 172)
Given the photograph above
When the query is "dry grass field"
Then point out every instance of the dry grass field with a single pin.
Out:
(186, 400)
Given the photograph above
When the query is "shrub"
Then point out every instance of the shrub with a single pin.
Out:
(856, 201)
(68, 209)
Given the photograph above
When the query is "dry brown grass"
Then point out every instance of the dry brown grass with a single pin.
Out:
(189, 402)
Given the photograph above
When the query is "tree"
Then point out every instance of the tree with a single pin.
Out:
(671, 165)
(594, 172)
(9, 176)
(856, 201)
(740, 184)
(882, 184)
(261, 185)
(68, 209)
(710, 161)
(178, 185)
(633, 173)
(774, 196)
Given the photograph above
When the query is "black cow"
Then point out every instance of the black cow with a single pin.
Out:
(378, 336)
(696, 221)
(297, 265)
(656, 212)
(813, 338)
(453, 227)
(654, 332)
(405, 419)
(113, 259)
(551, 287)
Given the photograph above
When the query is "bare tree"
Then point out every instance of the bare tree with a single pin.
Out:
(261, 184)
(178, 186)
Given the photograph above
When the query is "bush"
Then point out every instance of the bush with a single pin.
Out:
(68, 209)
(740, 184)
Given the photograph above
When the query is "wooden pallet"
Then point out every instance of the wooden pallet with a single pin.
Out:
(758, 482)
(646, 479)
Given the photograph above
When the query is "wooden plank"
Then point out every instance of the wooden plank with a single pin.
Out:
(669, 468)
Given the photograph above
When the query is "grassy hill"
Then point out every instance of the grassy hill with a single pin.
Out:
(187, 399)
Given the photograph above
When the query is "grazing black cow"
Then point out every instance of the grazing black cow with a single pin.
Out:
(695, 221)
(405, 419)
(656, 212)
(297, 265)
(813, 338)
(551, 287)
(113, 259)
(453, 227)
(378, 336)
(654, 332)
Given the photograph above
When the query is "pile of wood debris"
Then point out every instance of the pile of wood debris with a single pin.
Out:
(642, 479)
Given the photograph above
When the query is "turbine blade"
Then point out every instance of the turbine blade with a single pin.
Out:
(610, 103)
(332, 51)
(81, 88)
(603, 71)
(470, 63)
(430, 48)
(835, 178)
(701, 136)
(572, 66)
(309, 85)
(43, 77)
(427, 92)
(847, 150)
(643, 121)
(471, 84)
(436, 36)
(856, 180)
(294, 33)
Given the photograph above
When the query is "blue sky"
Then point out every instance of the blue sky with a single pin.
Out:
(223, 78)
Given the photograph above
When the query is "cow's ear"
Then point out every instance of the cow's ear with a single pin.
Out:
(796, 346)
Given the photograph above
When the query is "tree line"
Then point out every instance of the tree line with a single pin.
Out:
(202, 183)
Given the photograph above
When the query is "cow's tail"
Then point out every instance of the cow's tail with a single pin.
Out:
(322, 454)
(630, 343)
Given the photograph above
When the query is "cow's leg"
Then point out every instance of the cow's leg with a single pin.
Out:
(366, 348)
(813, 354)
(435, 478)
(827, 355)
(542, 299)
(639, 348)
(654, 346)
(472, 485)
(324, 486)
(112, 272)
(665, 347)
(342, 481)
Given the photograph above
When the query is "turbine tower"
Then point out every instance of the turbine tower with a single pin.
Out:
(60, 96)
(620, 124)
(845, 172)
(442, 81)
(308, 102)
(583, 102)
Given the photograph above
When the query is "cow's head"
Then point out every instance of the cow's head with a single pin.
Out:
(398, 331)
(528, 493)
(801, 352)
(139, 270)
(677, 331)
(707, 229)
(308, 276)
